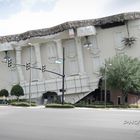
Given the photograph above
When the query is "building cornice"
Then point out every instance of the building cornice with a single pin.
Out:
(70, 25)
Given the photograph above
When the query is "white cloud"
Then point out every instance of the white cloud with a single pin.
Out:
(37, 4)
(79, 9)
(63, 10)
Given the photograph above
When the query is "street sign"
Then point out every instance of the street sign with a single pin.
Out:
(61, 90)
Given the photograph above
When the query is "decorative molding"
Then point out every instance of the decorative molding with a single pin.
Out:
(80, 54)
(52, 59)
(120, 48)
(95, 52)
(96, 64)
(86, 31)
(52, 52)
(71, 33)
(18, 61)
(6, 46)
(18, 48)
(120, 51)
(71, 56)
(71, 51)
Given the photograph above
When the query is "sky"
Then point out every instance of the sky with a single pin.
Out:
(18, 16)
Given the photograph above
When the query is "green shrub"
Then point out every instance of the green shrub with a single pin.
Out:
(26, 104)
(15, 100)
(17, 90)
(90, 106)
(117, 106)
(133, 106)
(33, 104)
(81, 103)
(102, 106)
(59, 106)
(4, 92)
(102, 103)
(19, 104)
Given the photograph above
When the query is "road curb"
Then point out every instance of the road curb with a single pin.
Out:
(110, 109)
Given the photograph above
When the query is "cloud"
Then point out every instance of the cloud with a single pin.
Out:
(120, 6)
(79, 9)
(8, 7)
(38, 5)
(11, 7)
(123, 3)
(37, 14)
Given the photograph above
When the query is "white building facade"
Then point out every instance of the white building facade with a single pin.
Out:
(87, 44)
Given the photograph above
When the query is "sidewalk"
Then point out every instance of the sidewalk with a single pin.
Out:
(112, 109)
(8, 106)
(79, 108)
(39, 106)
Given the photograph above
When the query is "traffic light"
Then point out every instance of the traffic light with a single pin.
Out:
(43, 68)
(27, 66)
(9, 62)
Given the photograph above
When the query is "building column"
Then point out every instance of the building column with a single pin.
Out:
(59, 51)
(80, 55)
(18, 61)
(38, 60)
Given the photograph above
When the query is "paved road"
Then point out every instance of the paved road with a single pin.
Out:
(68, 124)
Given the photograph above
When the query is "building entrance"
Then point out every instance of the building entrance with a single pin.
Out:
(49, 97)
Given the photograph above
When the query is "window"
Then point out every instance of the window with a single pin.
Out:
(118, 100)
(110, 25)
(71, 57)
(126, 99)
(118, 37)
(51, 52)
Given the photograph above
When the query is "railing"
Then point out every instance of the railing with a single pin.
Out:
(79, 84)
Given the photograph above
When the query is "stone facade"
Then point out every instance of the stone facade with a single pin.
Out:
(87, 44)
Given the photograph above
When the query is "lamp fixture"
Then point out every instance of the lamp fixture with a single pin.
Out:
(59, 61)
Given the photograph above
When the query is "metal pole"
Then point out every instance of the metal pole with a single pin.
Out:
(30, 76)
(63, 76)
(105, 86)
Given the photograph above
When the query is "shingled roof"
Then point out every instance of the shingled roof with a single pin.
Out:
(70, 25)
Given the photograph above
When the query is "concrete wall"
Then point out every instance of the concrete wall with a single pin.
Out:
(131, 98)
(80, 61)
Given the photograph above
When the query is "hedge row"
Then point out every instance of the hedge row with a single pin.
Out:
(26, 104)
(59, 106)
(107, 106)
(23, 104)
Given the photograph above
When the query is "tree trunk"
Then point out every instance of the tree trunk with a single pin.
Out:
(17, 98)
(138, 99)
(123, 97)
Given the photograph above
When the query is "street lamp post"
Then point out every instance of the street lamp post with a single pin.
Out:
(63, 76)
(105, 78)
(62, 60)
(30, 75)
(105, 85)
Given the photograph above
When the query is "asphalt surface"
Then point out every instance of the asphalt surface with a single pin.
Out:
(68, 124)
